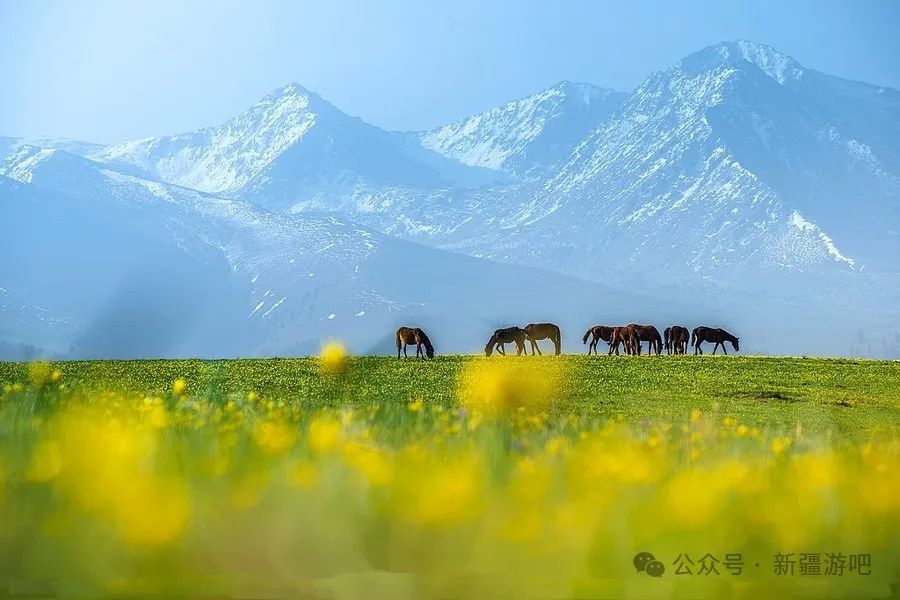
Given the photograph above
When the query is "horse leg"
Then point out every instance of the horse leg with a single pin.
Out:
(419, 352)
(557, 343)
(405, 355)
(715, 347)
(501, 348)
(723, 348)
(398, 350)
(535, 347)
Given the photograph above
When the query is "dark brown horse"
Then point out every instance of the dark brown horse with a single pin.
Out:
(676, 338)
(627, 336)
(648, 333)
(715, 335)
(543, 331)
(597, 333)
(413, 335)
(507, 335)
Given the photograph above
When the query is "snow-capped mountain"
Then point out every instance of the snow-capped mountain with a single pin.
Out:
(143, 268)
(530, 136)
(9, 145)
(290, 147)
(737, 175)
(736, 157)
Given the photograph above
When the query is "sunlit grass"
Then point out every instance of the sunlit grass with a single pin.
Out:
(456, 478)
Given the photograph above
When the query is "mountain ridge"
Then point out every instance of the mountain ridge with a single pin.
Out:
(735, 173)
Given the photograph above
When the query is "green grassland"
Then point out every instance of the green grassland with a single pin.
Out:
(846, 397)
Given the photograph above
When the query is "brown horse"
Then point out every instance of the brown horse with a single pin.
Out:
(507, 335)
(627, 336)
(648, 333)
(677, 338)
(414, 335)
(716, 335)
(543, 331)
(599, 332)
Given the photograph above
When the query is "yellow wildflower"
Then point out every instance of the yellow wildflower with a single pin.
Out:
(333, 358)
(179, 386)
(324, 433)
(39, 373)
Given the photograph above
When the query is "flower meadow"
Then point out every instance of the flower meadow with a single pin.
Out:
(497, 493)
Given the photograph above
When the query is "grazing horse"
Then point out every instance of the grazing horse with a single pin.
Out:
(543, 331)
(599, 332)
(628, 337)
(718, 336)
(648, 333)
(414, 335)
(508, 335)
(677, 338)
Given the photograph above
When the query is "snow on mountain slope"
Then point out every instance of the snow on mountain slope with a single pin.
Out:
(223, 277)
(737, 175)
(689, 180)
(9, 145)
(530, 136)
(289, 147)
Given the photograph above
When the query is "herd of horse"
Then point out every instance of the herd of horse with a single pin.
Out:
(675, 339)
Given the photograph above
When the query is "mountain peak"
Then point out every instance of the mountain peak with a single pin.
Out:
(288, 90)
(577, 90)
(774, 64)
(292, 97)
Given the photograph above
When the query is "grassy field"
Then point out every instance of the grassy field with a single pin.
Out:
(849, 397)
(462, 477)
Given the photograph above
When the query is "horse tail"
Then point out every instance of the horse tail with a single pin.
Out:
(694, 336)
(398, 339)
(587, 334)
(558, 340)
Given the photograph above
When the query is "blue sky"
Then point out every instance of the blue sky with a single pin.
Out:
(108, 70)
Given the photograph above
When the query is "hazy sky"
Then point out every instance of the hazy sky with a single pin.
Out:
(111, 70)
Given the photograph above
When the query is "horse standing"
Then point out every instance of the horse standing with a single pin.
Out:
(716, 335)
(507, 335)
(677, 338)
(599, 332)
(543, 331)
(648, 333)
(413, 335)
(627, 336)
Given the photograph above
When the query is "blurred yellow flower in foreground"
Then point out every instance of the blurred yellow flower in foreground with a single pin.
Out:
(152, 510)
(333, 358)
(179, 386)
(324, 433)
(274, 436)
(502, 386)
(46, 461)
(39, 373)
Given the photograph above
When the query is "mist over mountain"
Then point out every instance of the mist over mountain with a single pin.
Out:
(736, 188)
